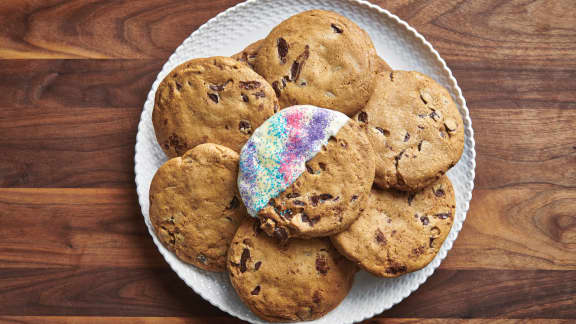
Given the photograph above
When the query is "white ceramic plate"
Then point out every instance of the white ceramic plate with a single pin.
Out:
(401, 46)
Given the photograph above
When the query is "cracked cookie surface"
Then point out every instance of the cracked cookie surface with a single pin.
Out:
(195, 208)
(415, 128)
(319, 58)
(400, 232)
(217, 100)
(300, 281)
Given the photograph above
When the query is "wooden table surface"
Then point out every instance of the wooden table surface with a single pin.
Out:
(73, 79)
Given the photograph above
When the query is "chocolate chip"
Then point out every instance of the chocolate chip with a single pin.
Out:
(434, 115)
(395, 269)
(420, 146)
(285, 79)
(214, 97)
(337, 29)
(245, 98)
(219, 87)
(178, 86)
(234, 203)
(299, 64)
(431, 244)
(383, 131)
(245, 127)
(257, 265)
(310, 221)
(354, 198)
(276, 108)
(439, 192)
(363, 117)
(282, 49)
(276, 87)
(292, 195)
(406, 137)
(322, 264)
(325, 196)
(309, 169)
(443, 215)
(280, 234)
(260, 94)
(317, 297)
(423, 100)
(411, 196)
(243, 259)
(299, 203)
(424, 219)
(201, 258)
(256, 227)
(380, 238)
(249, 85)
(256, 291)
(418, 251)
(314, 199)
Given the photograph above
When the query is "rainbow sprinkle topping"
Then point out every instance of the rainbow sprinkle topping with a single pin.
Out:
(275, 156)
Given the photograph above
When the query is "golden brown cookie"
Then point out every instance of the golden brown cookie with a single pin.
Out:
(415, 128)
(300, 281)
(400, 232)
(249, 54)
(194, 205)
(217, 100)
(319, 58)
(330, 195)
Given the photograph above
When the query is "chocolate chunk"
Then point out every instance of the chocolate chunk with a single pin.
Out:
(424, 219)
(439, 192)
(432, 242)
(420, 146)
(245, 127)
(443, 215)
(314, 199)
(380, 238)
(406, 137)
(363, 117)
(383, 131)
(322, 264)
(299, 203)
(256, 227)
(245, 98)
(395, 269)
(214, 97)
(325, 196)
(243, 259)
(257, 265)
(397, 158)
(310, 221)
(219, 87)
(249, 85)
(411, 196)
(234, 203)
(317, 297)
(256, 291)
(299, 63)
(337, 29)
(260, 94)
(276, 87)
(354, 198)
(280, 234)
(282, 49)
(292, 195)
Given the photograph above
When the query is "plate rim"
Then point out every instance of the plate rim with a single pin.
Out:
(453, 84)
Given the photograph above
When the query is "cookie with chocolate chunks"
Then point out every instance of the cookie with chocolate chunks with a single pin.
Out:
(300, 281)
(249, 54)
(217, 100)
(319, 58)
(415, 128)
(400, 232)
(195, 207)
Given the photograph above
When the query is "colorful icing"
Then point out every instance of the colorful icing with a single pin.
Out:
(275, 156)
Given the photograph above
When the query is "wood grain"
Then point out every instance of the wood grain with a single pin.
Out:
(157, 291)
(225, 320)
(526, 227)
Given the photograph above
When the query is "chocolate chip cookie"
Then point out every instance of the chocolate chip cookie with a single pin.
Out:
(249, 54)
(300, 281)
(306, 172)
(319, 58)
(400, 232)
(194, 205)
(217, 100)
(415, 129)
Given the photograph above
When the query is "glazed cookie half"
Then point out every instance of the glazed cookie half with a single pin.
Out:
(195, 208)
(319, 58)
(415, 128)
(217, 100)
(306, 172)
(400, 232)
(300, 281)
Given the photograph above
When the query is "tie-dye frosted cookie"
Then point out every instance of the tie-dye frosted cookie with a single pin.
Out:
(306, 172)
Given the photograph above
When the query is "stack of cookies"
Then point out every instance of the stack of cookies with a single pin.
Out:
(300, 160)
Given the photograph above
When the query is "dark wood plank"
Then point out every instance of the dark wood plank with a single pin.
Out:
(524, 227)
(157, 291)
(100, 29)
(76, 83)
(69, 228)
(226, 320)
